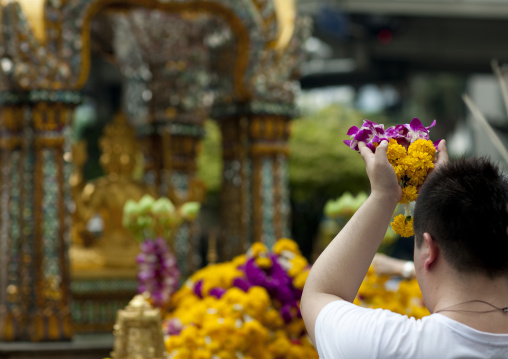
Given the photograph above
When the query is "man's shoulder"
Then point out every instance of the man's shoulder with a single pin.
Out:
(345, 328)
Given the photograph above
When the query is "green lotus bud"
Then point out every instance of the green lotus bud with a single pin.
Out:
(190, 210)
(163, 207)
(331, 208)
(130, 212)
(144, 222)
(346, 204)
(145, 204)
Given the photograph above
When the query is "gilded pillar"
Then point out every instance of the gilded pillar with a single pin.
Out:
(15, 280)
(49, 314)
(254, 195)
(181, 149)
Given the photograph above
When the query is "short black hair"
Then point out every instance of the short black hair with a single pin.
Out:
(463, 205)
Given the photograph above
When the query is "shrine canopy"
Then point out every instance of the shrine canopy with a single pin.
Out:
(45, 44)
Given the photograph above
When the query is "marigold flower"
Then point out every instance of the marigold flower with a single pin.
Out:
(256, 249)
(234, 309)
(298, 264)
(403, 226)
(409, 194)
(263, 262)
(285, 244)
(395, 151)
(300, 279)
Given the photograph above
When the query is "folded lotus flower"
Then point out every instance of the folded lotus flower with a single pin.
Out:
(190, 210)
(145, 204)
(163, 207)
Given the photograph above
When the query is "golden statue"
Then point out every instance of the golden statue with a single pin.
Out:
(105, 198)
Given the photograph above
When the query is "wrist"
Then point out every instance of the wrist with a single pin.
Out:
(408, 270)
(388, 199)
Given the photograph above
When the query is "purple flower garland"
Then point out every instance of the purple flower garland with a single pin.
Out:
(158, 271)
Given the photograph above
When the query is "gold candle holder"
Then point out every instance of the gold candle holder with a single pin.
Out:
(138, 332)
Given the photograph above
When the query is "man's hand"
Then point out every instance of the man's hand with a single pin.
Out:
(442, 154)
(383, 181)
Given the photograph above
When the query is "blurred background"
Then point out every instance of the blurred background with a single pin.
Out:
(390, 61)
(387, 61)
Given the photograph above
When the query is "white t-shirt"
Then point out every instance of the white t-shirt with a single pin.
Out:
(344, 330)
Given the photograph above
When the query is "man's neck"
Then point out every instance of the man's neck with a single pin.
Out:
(474, 300)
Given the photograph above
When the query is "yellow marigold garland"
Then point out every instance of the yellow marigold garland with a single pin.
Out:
(403, 225)
(410, 152)
(411, 168)
(241, 322)
(404, 297)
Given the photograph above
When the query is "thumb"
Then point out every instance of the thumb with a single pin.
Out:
(381, 149)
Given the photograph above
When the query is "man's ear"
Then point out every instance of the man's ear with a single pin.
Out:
(430, 252)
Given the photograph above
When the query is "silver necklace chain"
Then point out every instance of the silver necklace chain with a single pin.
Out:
(450, 308)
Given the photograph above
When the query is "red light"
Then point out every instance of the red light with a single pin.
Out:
(385, 36)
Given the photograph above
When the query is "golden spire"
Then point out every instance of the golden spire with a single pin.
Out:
(286, 17)
(34, 13)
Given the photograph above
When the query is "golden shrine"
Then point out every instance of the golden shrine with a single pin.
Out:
(183, 61)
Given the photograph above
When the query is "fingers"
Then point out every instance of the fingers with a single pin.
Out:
(365, 151)
(442, 156)
(381, 150)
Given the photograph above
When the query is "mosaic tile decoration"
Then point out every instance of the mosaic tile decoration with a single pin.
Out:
(268, 207)
(284, 205)
(5, 240)
(51, 270)
(28, 246)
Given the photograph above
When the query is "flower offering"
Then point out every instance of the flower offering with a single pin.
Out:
(410, 152)
(403, 297)
(152, 222)
(246, 308)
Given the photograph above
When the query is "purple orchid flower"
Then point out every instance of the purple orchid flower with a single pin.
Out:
(198, 288)
(370, 133)
(275, 280)
(286, 313)
(172, 326)
(158, 271)
(418, 131)
(242, 283)
(408, 133)
(217, 292)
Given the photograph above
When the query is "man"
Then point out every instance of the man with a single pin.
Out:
(461, 263)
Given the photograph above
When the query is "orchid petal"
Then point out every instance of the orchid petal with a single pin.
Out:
(352, 131)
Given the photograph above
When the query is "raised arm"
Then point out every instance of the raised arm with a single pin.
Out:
(338, 272)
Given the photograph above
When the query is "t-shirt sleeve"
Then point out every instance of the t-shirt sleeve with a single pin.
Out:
(345, 330)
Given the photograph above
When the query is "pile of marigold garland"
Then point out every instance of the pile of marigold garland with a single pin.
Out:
(246, 308)
(403, 297)
(410, 152)
(249, 307)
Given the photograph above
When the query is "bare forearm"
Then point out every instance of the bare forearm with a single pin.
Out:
(341, 267)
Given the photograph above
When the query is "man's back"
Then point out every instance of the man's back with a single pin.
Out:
(344, 330)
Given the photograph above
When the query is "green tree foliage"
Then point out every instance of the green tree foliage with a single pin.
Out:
(320, 163)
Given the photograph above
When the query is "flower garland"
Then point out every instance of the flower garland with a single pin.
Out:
(403, 297)
(411, 154)
(152, 222)
(246, 308)
(158, 271)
